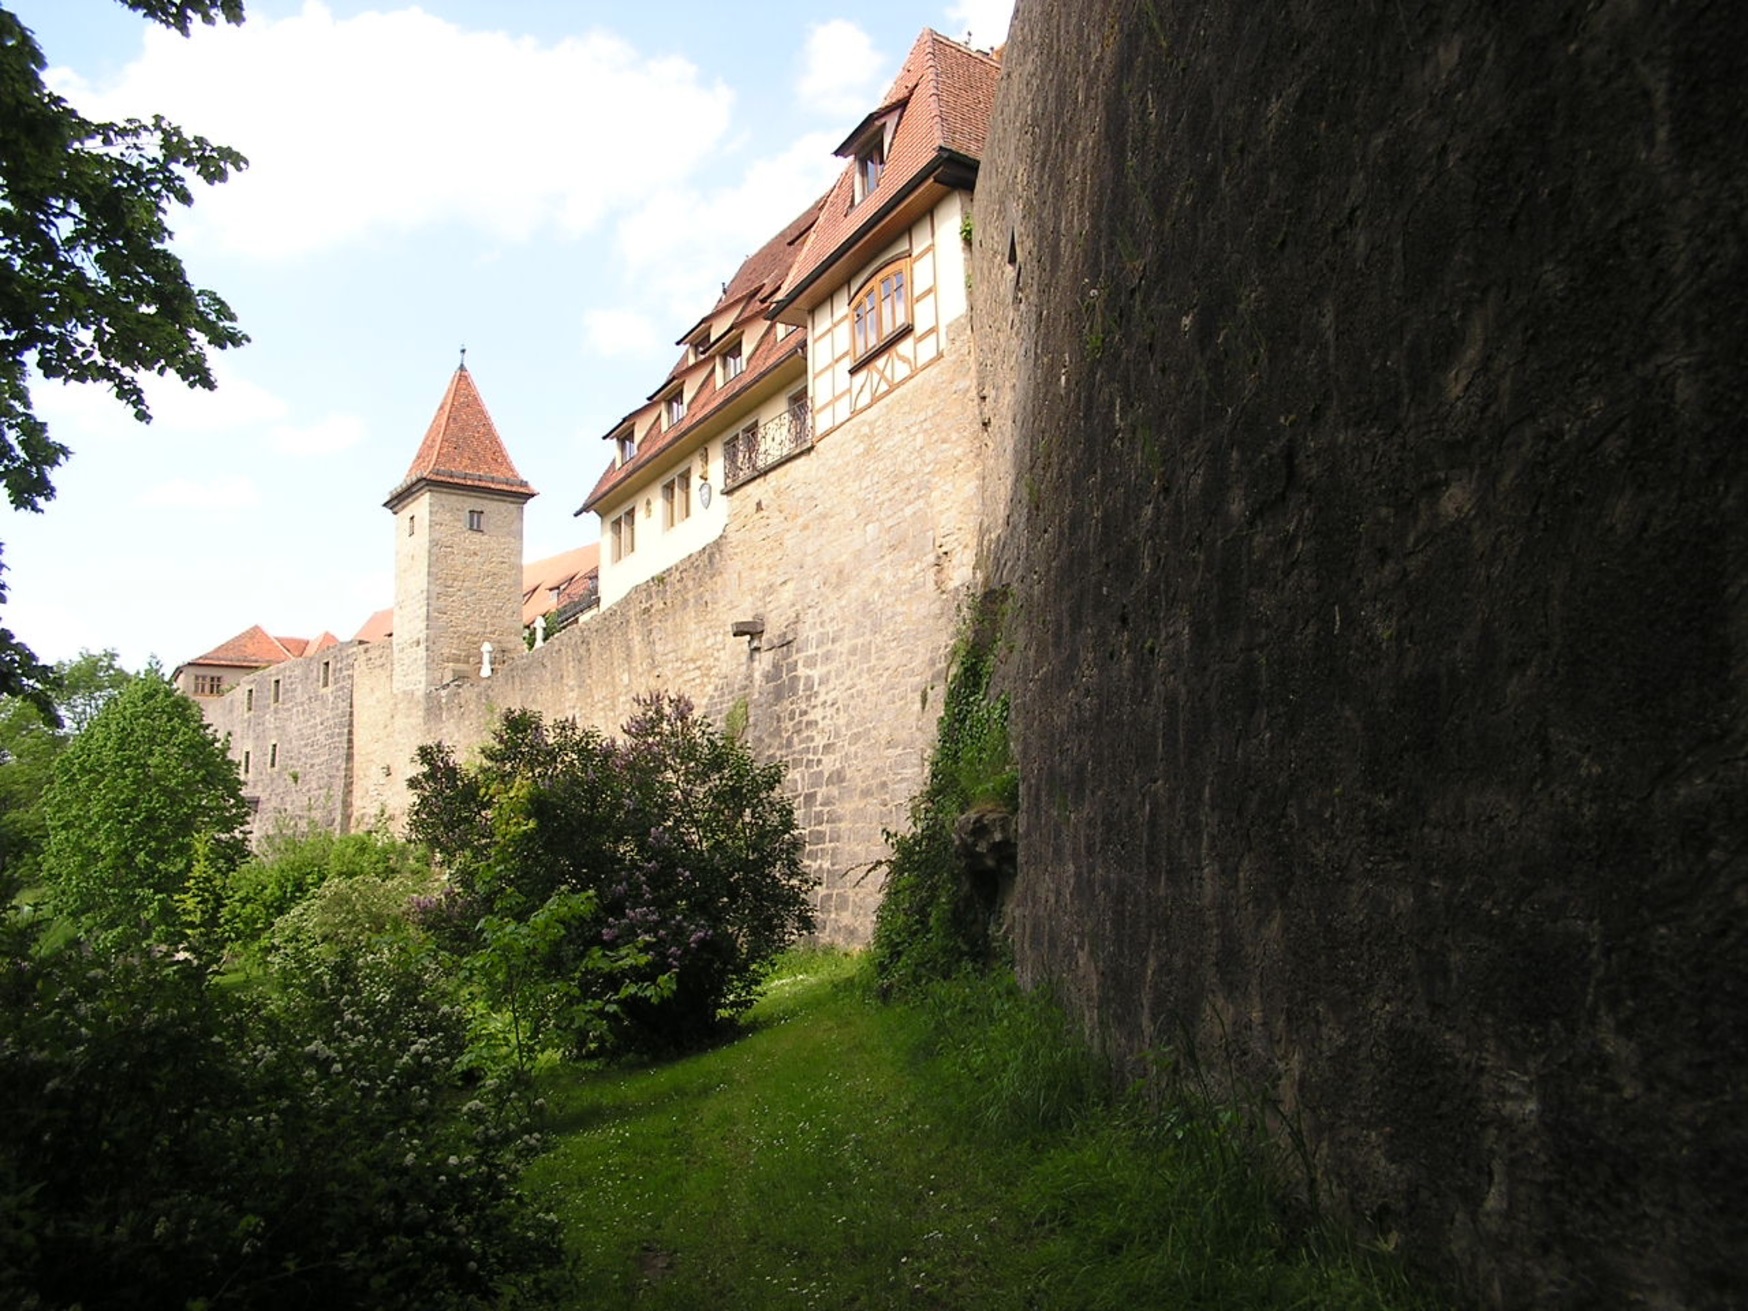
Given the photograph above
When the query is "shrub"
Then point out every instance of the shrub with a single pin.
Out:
(294, 865)
(931, 924)
(173, 1142)
(615, 893)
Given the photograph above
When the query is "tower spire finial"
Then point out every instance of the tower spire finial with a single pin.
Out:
(463, 364)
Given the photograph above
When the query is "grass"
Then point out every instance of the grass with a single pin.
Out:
(953, 1151)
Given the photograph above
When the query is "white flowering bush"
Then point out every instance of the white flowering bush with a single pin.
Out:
(172, 1142)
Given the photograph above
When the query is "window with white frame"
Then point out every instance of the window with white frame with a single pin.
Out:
(734, 361)
(674, 407)
(476, 521)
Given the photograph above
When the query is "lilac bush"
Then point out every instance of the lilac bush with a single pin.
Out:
(616, 893)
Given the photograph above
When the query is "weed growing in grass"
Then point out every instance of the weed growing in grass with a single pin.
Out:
(931, 924)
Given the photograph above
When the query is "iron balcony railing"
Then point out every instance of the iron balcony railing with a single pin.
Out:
(761, 446)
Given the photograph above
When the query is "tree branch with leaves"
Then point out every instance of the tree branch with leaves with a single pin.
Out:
(90, 291)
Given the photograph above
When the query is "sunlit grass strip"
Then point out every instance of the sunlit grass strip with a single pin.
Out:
(958, 1151)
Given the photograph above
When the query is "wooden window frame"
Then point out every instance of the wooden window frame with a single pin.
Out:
(677, 500)
(734, 360)
(873, 302)
(622, 533)
(476, 521)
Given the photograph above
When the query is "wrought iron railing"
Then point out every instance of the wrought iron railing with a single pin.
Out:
(758, 447)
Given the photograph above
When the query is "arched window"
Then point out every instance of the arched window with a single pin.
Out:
(881, 309)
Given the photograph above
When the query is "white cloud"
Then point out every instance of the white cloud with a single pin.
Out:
(616, 333)
(388, 122)
(326, 436)
(841, 71)
(84, 410)
(234, 493)
(679, 264)
(986, 20)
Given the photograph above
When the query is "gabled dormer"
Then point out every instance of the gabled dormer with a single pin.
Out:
(881, 281)
(732, 405)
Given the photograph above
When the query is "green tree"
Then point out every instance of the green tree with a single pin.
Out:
(30, 743)
(89, 290)
(133, 797)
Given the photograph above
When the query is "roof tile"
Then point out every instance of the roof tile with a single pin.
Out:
(947, 92)
(462, 447)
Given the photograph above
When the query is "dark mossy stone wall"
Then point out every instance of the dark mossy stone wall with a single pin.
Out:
(1378, 551)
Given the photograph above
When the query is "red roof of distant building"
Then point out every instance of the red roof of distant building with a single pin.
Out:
(567, 573)
(379, 626)
(253, 648)
(462, 447)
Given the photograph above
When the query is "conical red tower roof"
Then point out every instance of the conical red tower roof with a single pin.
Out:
(462, 448)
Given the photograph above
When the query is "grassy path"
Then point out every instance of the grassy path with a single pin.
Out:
(955, 1153)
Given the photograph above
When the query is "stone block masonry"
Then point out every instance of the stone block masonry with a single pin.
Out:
(1378, 547)
(856, 557)
(290, 731)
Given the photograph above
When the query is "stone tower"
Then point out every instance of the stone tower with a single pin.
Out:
(458, 546)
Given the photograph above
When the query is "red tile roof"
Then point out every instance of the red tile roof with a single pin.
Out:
(744, 303)
(379, 627)
(945, 93)
(565, 572)
(462, 448)
(253, 648)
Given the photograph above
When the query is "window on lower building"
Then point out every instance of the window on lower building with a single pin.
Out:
(674, 407)
(677, 500)
(275, 697)
(209, 684)
(622, 532)
(627, 446)
(734, 362)
(410, 519)
(476, 521)
(273, 756)
(245, 764)
(248, 700)
(327, 672)
(881, 309)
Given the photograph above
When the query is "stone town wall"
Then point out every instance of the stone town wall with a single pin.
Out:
(1378, 555)
(857, 556)
(297, 746)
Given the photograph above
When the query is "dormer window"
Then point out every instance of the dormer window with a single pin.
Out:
(870, 164)
(734, 361)
(627, 441)
(701, 345)
(870, 146)
(674, 407)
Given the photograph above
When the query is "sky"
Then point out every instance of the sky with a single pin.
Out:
(560, 186)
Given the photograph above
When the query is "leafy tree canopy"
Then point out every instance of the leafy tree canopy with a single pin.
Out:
(89, 290)
(136, 797)
(30, 743)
